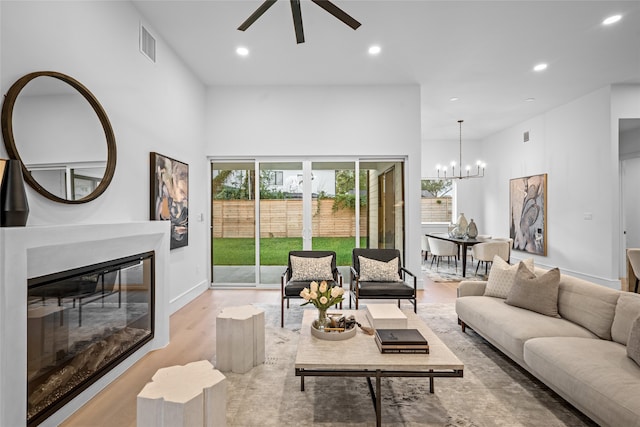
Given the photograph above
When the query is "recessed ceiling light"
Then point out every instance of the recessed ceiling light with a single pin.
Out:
(453, 99)
(612, 20)
(374, 50)
(540, 67)
(242, 51)
(530, 99)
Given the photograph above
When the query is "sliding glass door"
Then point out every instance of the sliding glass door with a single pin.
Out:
(233, 224)
(304, 204)
(281, 217)
(336, 207)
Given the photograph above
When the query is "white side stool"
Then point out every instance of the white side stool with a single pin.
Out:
(239, 338)
(193, 395)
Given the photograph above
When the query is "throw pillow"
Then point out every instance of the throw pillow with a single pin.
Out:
(501, 277)
(539, 294)
(633, 343)
(306, 268)
(372, 270)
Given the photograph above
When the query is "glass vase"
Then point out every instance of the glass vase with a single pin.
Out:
(472, 230)
(323, 320)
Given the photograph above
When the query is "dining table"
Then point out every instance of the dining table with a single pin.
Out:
(462, 242)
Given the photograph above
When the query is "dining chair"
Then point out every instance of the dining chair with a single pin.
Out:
(504, 239)
(442, 248)
(480, 238)
(484, 252)
(425, 248)
(634, 261)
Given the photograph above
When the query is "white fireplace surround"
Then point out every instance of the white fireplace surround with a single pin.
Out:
(35, 251)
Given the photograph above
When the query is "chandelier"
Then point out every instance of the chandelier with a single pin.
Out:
(442, 170)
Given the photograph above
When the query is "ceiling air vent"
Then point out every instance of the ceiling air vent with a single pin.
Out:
(525, 137)
(147, 44)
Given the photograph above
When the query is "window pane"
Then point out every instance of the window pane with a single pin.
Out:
(437, 201)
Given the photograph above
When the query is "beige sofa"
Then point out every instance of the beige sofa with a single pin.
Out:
(581, 356)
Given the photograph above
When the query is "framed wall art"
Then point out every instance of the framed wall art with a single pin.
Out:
(528, 214)
(170, 196)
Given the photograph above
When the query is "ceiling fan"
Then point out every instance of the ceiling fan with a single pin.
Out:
(297, 16)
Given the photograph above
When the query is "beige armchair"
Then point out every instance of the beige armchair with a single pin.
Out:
(484, 252)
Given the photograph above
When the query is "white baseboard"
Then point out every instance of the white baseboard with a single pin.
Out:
(187, 296)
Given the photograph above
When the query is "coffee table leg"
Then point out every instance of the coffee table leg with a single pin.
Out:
(376, 397)
(378, 401)
(431, 382)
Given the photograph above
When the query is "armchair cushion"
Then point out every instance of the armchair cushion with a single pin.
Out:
(293, 288)
(372, 270)
(385, 289)
(307, 268)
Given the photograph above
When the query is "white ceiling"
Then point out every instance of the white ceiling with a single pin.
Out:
(482, 52)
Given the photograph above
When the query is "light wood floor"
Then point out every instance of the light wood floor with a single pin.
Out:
(192, 338)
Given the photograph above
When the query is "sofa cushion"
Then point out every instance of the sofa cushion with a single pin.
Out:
(489, 316)
(594, 375)
(633, 345)
(308, 268)
(535, 293)
(587, 304)
(372, 270)
(501, 277)
(627, 310)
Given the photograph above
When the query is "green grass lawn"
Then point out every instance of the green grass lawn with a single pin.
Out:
(274, 251)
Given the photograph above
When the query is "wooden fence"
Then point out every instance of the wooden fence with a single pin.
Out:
(436, 209)
(283, 218)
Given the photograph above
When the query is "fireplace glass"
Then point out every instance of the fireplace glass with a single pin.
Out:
(80, 324)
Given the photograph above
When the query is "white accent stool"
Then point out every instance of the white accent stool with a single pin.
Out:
(239, 338)
(193, 395)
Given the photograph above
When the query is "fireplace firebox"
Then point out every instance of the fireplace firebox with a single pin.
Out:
(81, 323)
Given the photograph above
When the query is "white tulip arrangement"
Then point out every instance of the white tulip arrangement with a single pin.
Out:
(322, 296)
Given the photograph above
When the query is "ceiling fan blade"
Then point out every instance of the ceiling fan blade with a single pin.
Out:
(297, 20)
(338, 13)
(257, 14)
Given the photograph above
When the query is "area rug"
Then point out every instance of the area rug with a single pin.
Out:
(448, 272)
(493, 392)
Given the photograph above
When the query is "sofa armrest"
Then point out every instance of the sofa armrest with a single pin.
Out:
(469, 288)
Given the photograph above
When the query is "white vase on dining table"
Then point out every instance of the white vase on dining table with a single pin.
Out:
(462, 223)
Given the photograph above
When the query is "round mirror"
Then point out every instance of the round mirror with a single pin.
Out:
(58, 129)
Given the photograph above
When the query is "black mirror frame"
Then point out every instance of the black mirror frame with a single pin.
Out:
(12, 150)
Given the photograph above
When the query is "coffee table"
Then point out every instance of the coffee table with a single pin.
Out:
(359, 357)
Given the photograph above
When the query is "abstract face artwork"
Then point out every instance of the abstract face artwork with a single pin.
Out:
(170, 196)
(528, 214)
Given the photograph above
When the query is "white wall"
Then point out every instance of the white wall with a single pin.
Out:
(152, 107)
(327, 121)
(625, 104)
(574, 145)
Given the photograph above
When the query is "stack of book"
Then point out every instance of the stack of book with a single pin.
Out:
(401, 341)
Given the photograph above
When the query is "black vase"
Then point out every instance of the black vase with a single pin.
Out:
(14, 208)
